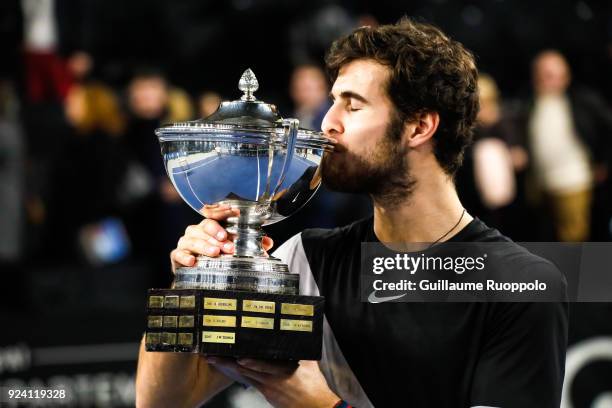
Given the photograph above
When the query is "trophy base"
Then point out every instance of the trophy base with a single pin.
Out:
(229, 272)
(233, 323)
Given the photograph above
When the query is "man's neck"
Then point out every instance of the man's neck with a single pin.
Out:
(432, 212)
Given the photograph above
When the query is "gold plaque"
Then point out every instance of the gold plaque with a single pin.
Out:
(170, 321)
(187, 302)
(168, 338)
(219, 304)
(155, 321)
(218, 337)
(258, 306)
(171, 302)
(297, 309)
(219, 321)
(186, 321)
(156, 301)
(185, 339)
(257, 322)
(296, 325)
(153, 338)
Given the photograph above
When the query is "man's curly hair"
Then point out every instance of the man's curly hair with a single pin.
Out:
(429, 72)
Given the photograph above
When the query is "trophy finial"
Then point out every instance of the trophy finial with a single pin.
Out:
(248, 84)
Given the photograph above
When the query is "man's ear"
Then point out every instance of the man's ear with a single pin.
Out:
(421, 129)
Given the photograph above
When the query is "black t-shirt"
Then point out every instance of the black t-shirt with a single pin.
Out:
(429, 354)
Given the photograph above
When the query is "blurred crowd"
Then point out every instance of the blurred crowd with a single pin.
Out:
(538, 168)
(82, 179)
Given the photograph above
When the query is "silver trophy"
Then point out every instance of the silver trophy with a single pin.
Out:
(244, 155)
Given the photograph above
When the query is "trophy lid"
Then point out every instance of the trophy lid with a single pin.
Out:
(235, 118)
(246, 111)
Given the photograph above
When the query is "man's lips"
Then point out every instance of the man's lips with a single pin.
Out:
(338, 148)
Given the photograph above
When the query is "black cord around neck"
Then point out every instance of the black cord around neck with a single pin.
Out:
(450, 230)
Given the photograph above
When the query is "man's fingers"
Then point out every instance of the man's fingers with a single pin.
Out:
(198, 246)
(309, 364)
(253, 376)
(227, 247)
(231, 369)
(183, 258)
(219, 212)
(196, 231)
(268, 367)
(214, 229)
(267, 243)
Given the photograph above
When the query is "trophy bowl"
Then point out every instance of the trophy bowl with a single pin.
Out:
(265, 168)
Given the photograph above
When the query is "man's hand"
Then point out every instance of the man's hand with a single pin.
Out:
(208, 237)
(283, 384)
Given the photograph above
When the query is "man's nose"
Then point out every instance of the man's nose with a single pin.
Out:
(332, 125)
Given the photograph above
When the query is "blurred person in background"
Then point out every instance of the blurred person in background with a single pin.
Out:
(55, 36)
(486, 182)
(52, 38)
(152, 101)
(568, 131)
(80, 65)
(208, 102)
(309, 93)
(87, 173)
(46, 76)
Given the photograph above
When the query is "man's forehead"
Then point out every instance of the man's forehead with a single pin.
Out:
(362, 76)
(551, 59)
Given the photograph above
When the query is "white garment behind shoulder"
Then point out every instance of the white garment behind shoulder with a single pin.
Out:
(333, 365)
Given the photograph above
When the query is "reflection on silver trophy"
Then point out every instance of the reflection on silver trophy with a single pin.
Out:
(265, 167)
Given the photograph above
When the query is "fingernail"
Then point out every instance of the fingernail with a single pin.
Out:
(228, 246)
(221, 235)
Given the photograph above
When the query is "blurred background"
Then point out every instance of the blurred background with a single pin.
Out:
(88, 217)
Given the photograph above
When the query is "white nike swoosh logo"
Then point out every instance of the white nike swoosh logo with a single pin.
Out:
(375, 299)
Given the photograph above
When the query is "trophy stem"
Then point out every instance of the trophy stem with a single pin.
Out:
(247, 239)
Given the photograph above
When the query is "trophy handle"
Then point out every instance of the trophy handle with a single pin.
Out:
(291, 133)
(246, 228)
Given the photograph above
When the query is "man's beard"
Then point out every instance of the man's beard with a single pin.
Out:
(384, 173)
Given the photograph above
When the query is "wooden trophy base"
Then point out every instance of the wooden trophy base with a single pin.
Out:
(233, 323)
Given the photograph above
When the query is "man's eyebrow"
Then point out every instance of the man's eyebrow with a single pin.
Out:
(349, 95)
